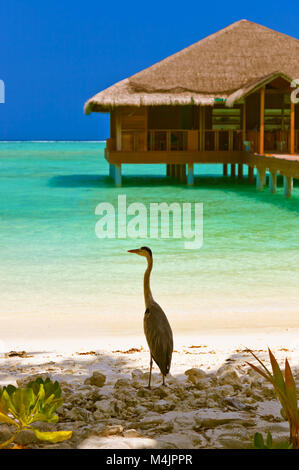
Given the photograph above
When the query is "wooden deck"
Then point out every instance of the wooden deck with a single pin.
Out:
(174, 157)
(180, 165)
(284, 164)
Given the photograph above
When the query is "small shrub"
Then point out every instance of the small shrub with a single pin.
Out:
(259, 443)
(38, 401)
(285, 390)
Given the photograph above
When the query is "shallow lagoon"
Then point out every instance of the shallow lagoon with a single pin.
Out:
(54, 268)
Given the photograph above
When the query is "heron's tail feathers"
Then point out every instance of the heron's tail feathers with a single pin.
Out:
(165, 368)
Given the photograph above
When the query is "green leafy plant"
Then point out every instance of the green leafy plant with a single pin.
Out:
(285, 389)
(38, 401)
(259, 443)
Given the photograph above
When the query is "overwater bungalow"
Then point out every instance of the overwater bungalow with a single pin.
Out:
(229, 98)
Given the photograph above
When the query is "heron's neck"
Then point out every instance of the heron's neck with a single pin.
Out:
(146, 282)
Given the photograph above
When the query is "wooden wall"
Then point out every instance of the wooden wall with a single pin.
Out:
(173, 117)
(136, 121)
(133, 119)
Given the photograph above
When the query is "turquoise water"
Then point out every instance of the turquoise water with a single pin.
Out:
(52, 263)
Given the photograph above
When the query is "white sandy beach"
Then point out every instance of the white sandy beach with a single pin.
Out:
(221, 404)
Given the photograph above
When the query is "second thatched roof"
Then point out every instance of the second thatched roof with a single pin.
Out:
(225, 65)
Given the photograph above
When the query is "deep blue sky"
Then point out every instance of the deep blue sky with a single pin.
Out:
(56, 54)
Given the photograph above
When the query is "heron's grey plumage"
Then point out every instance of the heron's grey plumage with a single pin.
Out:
(157, 329)
(159, 337)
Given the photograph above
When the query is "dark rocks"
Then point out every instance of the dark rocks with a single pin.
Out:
(97, 379)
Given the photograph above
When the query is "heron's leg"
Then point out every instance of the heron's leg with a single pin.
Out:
(163, 383)
(150, 374)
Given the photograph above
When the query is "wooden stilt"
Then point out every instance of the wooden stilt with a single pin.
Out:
(250, 174)
(233, 170)
(117, 175)
(190, 177)
(240, 171)
(225, 169)
(179, 171)
(260, 179)
(288, 186)
(273, 181)
(183, 178)
(175, 172)
(111, 170)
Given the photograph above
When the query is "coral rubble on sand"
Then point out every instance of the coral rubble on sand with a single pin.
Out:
(107, 404)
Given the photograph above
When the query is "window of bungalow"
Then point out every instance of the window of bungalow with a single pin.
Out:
(277, 113)
(226, 118)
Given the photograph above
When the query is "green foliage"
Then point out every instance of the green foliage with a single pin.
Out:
(38, 401)
(259, 443)
(285, 389)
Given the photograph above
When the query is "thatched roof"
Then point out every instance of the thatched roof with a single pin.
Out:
(225, 63)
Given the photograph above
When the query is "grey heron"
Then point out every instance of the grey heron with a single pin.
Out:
(157, 329)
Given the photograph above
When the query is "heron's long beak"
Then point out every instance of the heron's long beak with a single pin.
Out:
(134, 251)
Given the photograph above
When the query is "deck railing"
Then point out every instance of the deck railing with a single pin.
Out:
(274, 140)
(224, 140)
(169, 140)
(193, 140)
(178, 140)
(277, 141)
